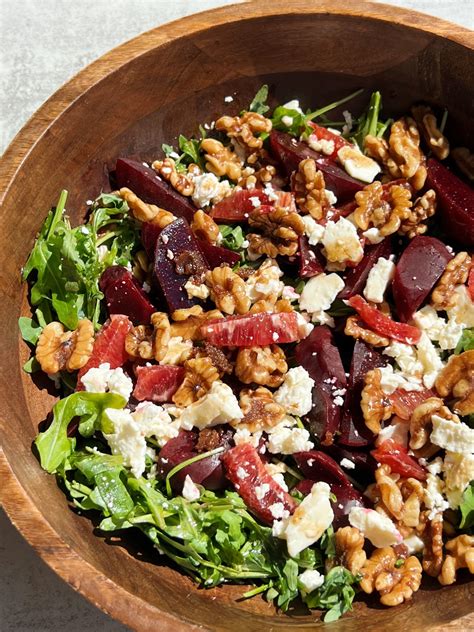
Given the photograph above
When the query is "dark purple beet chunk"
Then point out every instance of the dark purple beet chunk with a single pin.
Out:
(365, 464)
(319, 466)
(421, 264)
(357, 277)
(309, 263)
(173, 241)
(147, 184)
(149, 234)
(124, 295)
(216, 255)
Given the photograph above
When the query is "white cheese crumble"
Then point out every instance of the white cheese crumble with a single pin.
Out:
(463, 311)
(319, 294)
(228, 99)
(380, 276)
(373, 235)
(341, 242)
(458, 470)
(176, 350)
(452, 436)
(357, 164)
(376, 527)
(304, 327)
(287, 120)
(103, 379)
(347, 464)
(265, 282)
(243, 435)
(323, 146)
(397, 430)
(262, 490)
(446, 333)
(218, 406)
(294, 104)
(278, 511)
(430, 360)
(414, 544)
(434, 499)
(312, 230)
(391, 380)
(154, 421)
(276, 471)
(196, 290)
(208, 188)
(295, 394)
(190, 490)
(284, 440)
(309, 580)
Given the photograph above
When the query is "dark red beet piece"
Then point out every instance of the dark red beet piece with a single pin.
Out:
(157, 383)
(455, 202)
(124, 295)
(173, 241)
(354, 432)
(291, 152)
(237, 206)
(147, 184)
(149, 234)
(246, 471)
(421, 264)
(216, 255)
(319, 466)
(357, 277)
(309, 264)
(364, 462)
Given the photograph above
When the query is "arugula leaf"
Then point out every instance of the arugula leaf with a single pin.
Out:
(232, 237)
(54, 445)
(190, 149)
(30, 330)
(289, 120)
(335, 595)
(32, 365)
(467, 508)
(259, 102)
(466, 342)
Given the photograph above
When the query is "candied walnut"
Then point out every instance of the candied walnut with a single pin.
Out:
(183, 314)
(355, 329)
(428, 126)
(228, 290)
(433, 549)
(464, 160)
(395, 583)
(460, 554)
(204, 227)
(309, 189)
(381, 209)
(162, 334)
(250, 178)
(221, 160)
(389, 491)
(376, 406)
(177, 351)
(457, 379)
(420, 420)
(139, 342)
(280, 231)
(266, 305)
(261, 411)
(262, 365)
(350, 549)
(182, 181)
(413, 495)
(456, 273)
(243, 129)
(189, 263)
(146, 212)
(189, 322)
(199, 376)
(424, 207)
(208, 439)
(59, 350)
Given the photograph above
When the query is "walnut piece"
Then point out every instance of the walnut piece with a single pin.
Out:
(355, 329)
(261, 411)
(428, 126)
(146, 212)
(243, 129)
(141, 268)
(350, 552)
(389, 491)
(250, 178)
(443, 296)
(162, 334)
(424, 207)
(464, 159)
(262, 365)
(420, 420)
(139, 342)
(395, 584)
(376, 407)
(413, 494)
(182, 181)
(189, 263)
(382, 209)
(309, 189)
(221, 161)
(204, 227)
(59, 350)
(199, 376)
(280, 231)
(228, 290)
(189, 322)
(457, 379)
(460, 554)
(267, 305)
(433, 549)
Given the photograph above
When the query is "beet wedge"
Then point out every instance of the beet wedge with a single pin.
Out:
(124, 295)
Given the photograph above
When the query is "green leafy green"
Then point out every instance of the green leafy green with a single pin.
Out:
(32, 365)
(290, 120)
(467, 508)
(466, 342)
(335, 595)
(259, 102)
(190, 152)
(30, 330)
(368, 123)
(232, 237)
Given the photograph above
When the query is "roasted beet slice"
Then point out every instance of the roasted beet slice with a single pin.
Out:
(149, 234)
(291, 152)
(124, 295)
(177, 249)
(364, 462)
(319, 466)
(147, 184)
(455, 202)
(396, 456)
(157, 383)
(354, 432)
(237, 206)
(216, 255)
(357, 277)
(309, 263)
(421, 264)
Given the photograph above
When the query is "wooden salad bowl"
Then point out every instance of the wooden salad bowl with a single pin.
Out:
(127, 103)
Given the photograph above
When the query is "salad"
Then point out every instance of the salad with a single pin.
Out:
(263, 343)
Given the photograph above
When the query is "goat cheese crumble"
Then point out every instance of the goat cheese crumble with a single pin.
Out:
(295, 394)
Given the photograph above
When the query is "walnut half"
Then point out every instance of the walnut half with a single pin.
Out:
(59, 350)
(395, 583)
(460, 554)
(457, 379)
(262, 365)
(280, 231)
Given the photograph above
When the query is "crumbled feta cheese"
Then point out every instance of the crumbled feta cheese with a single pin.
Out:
(349, 122)
(243, 435)
(446, 333)
(228, 99)
(434, 499)
(312, 230)
(304, 327)
(414, 544)
(380, 276)
(284, 440)
(196, 290)
(276, 471)
(255, 201)
(397, 430)
(309, 521)
(319, 294)
(376, 527)
(127, 440)
(430, 360)
(290, 293)
(154, 421)
(458, 472)
(278, 511)
(265, 282)
(170, 254)
(357, 164)
(309, 580)
(218, 406)
(452, 436)
(463, 311)
(103, 379)
(322, 145)
(176, 350)
(341, 242)
(241, 473)
(287, 120)
(331, 198)
(406, 358)
(294, 104)
(373, 235)
(262, 490)
(295, 394)
(391, 380)
(347, 463)
(190, 490)
(208, 188)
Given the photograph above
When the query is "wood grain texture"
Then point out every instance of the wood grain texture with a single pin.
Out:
(128, 102)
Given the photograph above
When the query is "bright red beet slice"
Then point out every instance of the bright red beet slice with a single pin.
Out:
(421, 264)
(357, 277)
(124, 295)
(216, 255)
(405, 402)
(291, 152)
(252, 330)
(259, 491)
(400, 462)
(157, 383)
(173, 241)
(237, 206)
(147, 184)
(309, 264)
(382, 324)
(149, 234)
(455, 202)
(109, 346)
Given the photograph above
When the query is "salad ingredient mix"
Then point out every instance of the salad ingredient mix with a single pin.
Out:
(264, 346)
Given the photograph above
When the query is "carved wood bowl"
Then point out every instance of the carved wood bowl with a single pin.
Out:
(129, 102)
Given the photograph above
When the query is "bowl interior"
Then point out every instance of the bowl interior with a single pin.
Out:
(147, 99)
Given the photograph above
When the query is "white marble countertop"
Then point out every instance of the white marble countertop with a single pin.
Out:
(43, 43)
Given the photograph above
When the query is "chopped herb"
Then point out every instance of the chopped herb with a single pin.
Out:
(259, 102)
(466, 342)
(232, 237)
(467, 508)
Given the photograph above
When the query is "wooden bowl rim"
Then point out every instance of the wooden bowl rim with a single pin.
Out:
(23, 513)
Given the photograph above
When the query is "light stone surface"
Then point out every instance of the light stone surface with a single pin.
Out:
(43, 43)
